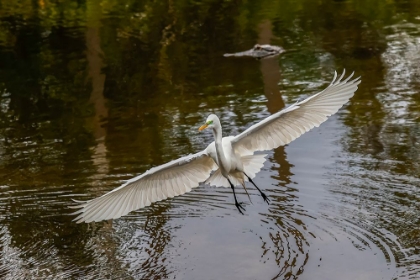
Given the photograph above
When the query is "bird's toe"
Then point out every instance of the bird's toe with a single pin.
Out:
(266, 199)
(240, 207)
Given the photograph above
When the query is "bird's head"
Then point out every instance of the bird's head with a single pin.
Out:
(211, 121)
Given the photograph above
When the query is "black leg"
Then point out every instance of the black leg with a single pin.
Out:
(238, 205)
(266, 199)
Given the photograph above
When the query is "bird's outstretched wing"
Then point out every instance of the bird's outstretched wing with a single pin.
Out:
(168, 180)
(285, 126)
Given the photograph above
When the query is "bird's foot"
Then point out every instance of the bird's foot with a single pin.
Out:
(239, 206)
(266, 199)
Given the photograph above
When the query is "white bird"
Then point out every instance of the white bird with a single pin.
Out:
(231, 158)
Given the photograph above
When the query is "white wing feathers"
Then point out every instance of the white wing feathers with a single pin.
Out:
(179, 176)
(168, 180)
(285, 126)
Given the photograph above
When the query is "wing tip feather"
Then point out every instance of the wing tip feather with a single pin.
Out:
(330, 100)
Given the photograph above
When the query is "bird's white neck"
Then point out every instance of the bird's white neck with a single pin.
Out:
(217, 133)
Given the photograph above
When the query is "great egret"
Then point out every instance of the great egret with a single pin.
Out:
(231, 158)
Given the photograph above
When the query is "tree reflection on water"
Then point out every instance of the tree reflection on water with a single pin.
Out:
(94, 92)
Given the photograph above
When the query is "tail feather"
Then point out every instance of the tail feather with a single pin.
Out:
(252, 165)
(217, 179)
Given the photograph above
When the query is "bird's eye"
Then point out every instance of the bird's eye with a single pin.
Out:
(209, 122)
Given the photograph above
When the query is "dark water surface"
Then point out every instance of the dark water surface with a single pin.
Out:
(95, 92)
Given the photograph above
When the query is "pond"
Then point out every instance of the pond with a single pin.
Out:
(95, 92)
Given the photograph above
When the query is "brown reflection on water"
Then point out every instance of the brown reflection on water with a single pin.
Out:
(288, 236)
(94, 57)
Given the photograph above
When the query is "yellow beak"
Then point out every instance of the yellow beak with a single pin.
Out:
(204, 126)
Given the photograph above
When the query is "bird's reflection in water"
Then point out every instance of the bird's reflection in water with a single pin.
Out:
(143, 238)
(154, 227)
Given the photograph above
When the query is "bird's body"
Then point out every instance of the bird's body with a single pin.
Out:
(228, 161)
